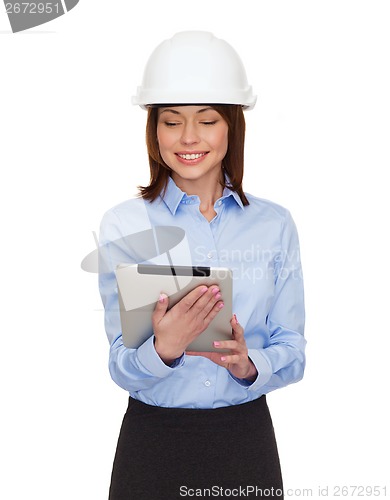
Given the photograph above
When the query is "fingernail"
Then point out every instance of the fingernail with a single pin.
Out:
(204, 289)
(218, 296)
(221, 305)
(215, 290)
(235, 317)
(161, 298)
(223, 358)
(216, 344)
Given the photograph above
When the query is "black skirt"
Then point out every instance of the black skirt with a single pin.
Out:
(169, 453)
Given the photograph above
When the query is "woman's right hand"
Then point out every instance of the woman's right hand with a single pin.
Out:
(175, 329)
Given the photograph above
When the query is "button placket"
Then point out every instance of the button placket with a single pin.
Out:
(209, 253)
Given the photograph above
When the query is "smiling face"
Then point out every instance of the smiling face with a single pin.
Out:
(193, 141)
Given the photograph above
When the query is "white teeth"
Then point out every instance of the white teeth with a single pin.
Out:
(191, 156)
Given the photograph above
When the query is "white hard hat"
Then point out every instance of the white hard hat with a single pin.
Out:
(194, 67)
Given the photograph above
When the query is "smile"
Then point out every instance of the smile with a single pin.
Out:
(190, 156)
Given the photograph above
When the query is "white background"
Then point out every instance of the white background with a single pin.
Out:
(72, 145)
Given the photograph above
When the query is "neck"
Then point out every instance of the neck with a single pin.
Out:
(208, 191)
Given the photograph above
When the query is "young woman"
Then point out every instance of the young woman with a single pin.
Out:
(197, 423)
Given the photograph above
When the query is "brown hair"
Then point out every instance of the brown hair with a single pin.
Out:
(232, 164)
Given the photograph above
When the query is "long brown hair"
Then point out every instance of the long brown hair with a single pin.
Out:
(232, 164)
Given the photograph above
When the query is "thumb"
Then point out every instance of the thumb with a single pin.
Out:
(161, 308)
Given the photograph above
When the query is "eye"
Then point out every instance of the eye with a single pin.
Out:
(171, 124)
(209, 122)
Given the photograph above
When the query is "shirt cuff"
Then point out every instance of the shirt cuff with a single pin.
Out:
(149, 358)
(263, 368)
(264, 371)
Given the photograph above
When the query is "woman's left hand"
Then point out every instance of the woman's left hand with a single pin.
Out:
(236, 361)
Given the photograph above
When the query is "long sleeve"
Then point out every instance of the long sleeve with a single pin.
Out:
(131, 369)
(282, 361)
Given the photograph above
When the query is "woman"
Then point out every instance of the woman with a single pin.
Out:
(197, 423)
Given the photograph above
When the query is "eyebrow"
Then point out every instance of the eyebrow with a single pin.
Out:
(175, 112)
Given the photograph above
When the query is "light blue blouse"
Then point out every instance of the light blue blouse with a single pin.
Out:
(259, 243)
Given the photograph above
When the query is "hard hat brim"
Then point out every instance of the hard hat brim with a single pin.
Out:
(146, 99)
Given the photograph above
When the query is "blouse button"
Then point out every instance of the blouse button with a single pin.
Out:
(207, 383)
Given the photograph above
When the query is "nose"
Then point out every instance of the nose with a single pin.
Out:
(189, 135)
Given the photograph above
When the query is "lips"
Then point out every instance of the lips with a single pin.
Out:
(191, 157)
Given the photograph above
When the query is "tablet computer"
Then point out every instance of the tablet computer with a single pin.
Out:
(140, 285)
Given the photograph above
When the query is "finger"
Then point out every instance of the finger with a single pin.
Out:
(191, 298)
(230, 359)
(205, 305)
(231, 345)
(196, 353)
(238, 331)
(218, 358)
(160, 309)
(212, 356)
(213, 312)
(202, 308)
(206, 301)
